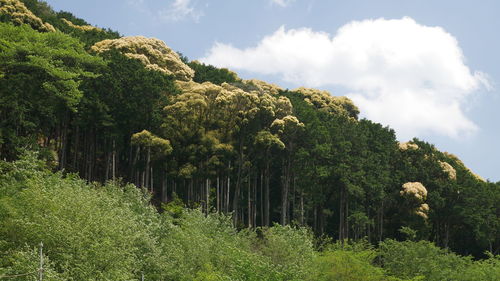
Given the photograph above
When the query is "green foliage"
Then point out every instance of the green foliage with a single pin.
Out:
(289, 249)
(240, 147)
(410, 234)
(90, 232)
(199, 246)
(110, 232)
(26, 260)
(345, 265)
(412, 259)
(204, 73)
(41, 77)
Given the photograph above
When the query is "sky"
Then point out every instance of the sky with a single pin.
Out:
(426, 68)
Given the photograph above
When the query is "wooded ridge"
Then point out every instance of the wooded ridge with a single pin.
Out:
(88, 103)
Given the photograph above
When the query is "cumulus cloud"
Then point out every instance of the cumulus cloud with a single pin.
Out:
(399, 73)
(282, 3)
(180, 10)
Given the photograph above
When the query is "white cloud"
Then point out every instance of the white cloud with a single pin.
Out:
(282, 3)
(180, 10)
(400, 73)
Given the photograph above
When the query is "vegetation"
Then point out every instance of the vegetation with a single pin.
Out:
(125, 159)
(110, 231)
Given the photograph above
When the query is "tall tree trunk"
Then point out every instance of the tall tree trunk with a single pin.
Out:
(164, 187)
(76, 148)
(63, 148)
(113, 172)
(217, 206)
(301, 218)
(236, 197)
(446, 234)
(341, 215)
(208, 195)
(151, 182)
(346, 228)
(291, 205)
(381, 222)
(266, 196)
(254, 202)
(261, 197)
(148, 159)
(108, 166)
(133, 167)
(249, 203)
(228, 187)
(284, 193)
(321, 218)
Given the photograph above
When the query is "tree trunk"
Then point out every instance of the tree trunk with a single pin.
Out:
(208, 195)
(228, 187)
(301, 218)
(249, 203)
(341, 215)
(164, 188)
(266, 196)
(284, 193)
(148, 160)
(217, 206)
(114, 161)
(237, 189)
(261, 197)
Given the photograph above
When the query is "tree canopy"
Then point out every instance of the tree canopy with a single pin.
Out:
(128, 125)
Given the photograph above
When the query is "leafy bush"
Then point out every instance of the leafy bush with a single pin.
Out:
(90, 232)
(26, 261)
(344, 265)
(199, 246)
(290, 249)
(412, 259)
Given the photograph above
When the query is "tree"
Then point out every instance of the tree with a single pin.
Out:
(41, 78)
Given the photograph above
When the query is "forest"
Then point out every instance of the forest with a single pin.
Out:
(128, 160)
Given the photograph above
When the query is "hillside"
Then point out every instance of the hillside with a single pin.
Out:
(112, 142)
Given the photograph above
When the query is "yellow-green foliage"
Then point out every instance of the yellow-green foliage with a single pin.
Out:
(344, 265)
(290, 250)
(449, 170)
(459, 162)
(422, 210)
(415, 190)
(288, 124)
(407, 146)
(187, 171)
(152, 52)
(267, 140)
(81, 27)
(423, 260)
(146, 139)
(227, 107)
(17, 12)
(323, 100)
(90, 232)
(269, 88)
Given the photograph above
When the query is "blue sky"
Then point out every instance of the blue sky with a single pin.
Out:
(426, 68)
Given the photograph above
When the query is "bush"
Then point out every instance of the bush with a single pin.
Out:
(291, 250)
(90, 232)
(346, 265)
(196, 246)
(412, 259)
(26, 261)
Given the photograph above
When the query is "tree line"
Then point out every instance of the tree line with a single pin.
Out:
(109, 107)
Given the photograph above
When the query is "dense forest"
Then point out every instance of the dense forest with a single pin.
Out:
(129, 161)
